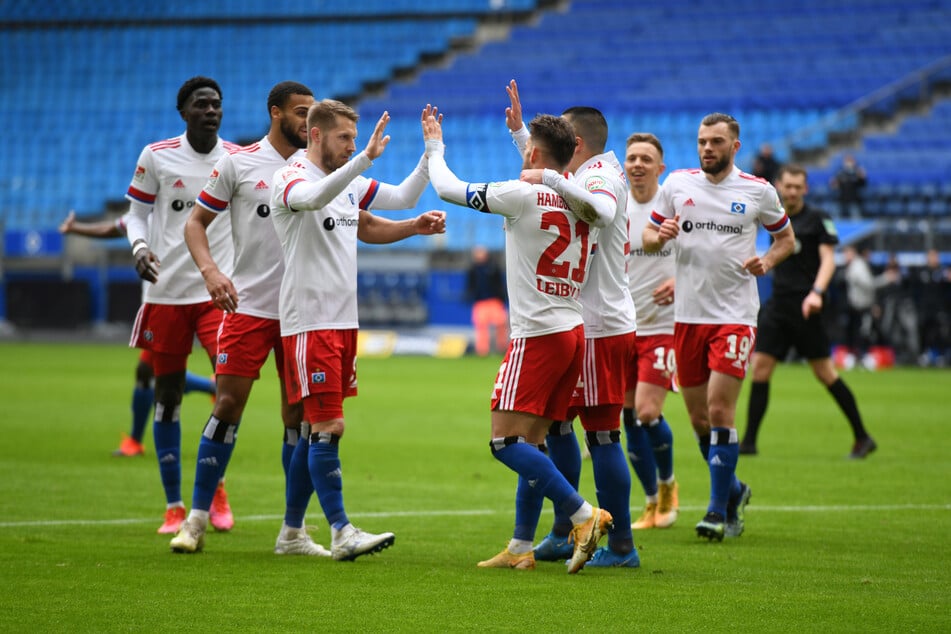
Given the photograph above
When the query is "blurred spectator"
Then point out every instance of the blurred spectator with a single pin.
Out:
(860, 295)
(849, 181)
(933, 293)
(895, 312)
(485, 288)
(765, 164)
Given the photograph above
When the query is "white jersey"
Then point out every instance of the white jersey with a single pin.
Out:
(243, 179)
(547, 255)
(607, 307)
(168, 177)
(319, 287)
(718, 224)
(647, 271)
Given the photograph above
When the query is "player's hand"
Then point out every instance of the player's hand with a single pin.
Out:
(67, 225)
(378, 141)
(669, 229)
(663, 295)
(222, 291)
(431, 222)
(533, 176)
(513, 114)
(756, 265)
(431, 121)
(811, 305)
(147, 266)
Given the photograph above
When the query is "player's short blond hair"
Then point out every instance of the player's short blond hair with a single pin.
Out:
(323, 114)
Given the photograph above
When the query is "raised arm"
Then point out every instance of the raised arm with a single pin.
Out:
(447, 185)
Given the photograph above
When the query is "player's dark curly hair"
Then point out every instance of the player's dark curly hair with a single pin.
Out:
(194, 84)
(555, 136)
(283, 91)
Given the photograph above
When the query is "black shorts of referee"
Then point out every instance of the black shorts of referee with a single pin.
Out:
(781, 327)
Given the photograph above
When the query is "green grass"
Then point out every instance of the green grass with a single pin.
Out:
(831, 544)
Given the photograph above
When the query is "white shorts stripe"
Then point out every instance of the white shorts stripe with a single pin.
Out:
(590, 373)
(300, 362)
(511, 375)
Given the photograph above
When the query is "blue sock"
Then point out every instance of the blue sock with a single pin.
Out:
(299, 485)
(641, 455)
(323, 461)
(142, 399)
(528, 509)
(612, 479)
(662, 443)
(214, 453)
(196, 383)
(167, 435)
(531, 464)
(566, 455)
(724, 453)
(291, 438)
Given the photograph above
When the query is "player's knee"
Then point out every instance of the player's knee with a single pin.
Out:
(169, 389)
(143, 375)
(647, 411)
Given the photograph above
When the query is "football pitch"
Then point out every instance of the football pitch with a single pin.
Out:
(831, 545)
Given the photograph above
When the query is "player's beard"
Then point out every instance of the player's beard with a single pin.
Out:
(717, 167)
(292, 136)
(330, 159)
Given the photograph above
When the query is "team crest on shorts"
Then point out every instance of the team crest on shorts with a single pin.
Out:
(223, 358)
(318, 377)
(147, 335)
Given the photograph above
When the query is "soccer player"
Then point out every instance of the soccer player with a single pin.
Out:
(713, 212)
(168, 176)
(609, 328)
(319, 206)
(547, 253)
(792, 317)
(143, 394)
(251, 328)
(650, 442)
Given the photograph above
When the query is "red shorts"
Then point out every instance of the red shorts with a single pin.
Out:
(702, 348)
(168, 332)
(654, 362)
(538, 374)
(244, 343)
(603, 374)
(321, 363)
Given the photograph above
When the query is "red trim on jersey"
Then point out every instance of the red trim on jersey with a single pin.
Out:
(779, 225)
(370, 195)
(214, 204)
(254, 147)
(751, 177)
(287, 190)
(688, 170)
(605, 192)
(141, 196)
(656, 218)
(166, 144)
(231, 147)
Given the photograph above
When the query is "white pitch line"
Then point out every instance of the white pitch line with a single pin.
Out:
(834, 508)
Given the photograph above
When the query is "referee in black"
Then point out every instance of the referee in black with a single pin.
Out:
(793, 314)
